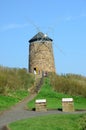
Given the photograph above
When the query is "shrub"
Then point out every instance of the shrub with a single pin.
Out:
(12, 79)
(69, 84)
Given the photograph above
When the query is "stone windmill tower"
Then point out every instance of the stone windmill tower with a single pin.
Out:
(41, 57)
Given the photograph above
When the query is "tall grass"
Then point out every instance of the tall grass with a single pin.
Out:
(12, 79)
(14, 83)
(69, 84)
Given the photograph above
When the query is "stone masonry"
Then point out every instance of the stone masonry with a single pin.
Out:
(41, 57)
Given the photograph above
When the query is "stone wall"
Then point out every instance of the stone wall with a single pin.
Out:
(41, 57)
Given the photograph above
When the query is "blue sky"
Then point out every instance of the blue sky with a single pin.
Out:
(63, 20)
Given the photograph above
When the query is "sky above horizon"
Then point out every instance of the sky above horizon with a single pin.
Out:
(62, 20)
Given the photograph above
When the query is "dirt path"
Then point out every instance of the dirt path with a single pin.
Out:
(18, 112)
(15, 113)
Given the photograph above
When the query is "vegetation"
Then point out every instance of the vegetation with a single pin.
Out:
(54, 98)
(8, 101)
(14, 79)
(14, 83)
(13, 87)
(52, 122)
(69, 84)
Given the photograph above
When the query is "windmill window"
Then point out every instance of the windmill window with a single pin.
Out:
(34, 70)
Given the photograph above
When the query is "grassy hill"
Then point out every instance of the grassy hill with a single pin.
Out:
(69, 84)
(54, 97)
(14, 83)
(55, 121)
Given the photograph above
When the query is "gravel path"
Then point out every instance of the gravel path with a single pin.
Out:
(18, 112)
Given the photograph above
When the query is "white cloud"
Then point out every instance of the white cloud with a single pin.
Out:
(68, 18)
(14, 26)
(83, 15)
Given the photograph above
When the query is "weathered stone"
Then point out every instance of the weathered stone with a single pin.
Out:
(41, 56)
(40, 105)
(67, 105)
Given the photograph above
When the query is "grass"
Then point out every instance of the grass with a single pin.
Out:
(12, 79)
(14, 83)
(13, 88)
(8, 101)
(57, 121)
(69, 84)
(54, 99)
(51, 122)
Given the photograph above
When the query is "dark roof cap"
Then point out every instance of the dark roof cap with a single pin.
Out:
(40, 36)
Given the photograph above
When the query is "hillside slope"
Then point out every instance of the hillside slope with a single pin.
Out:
(69, 84)
(54, 98)
(14, 83)
(12, 79)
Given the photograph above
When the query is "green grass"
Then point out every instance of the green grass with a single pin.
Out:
(79, 102)
(51, 122)
(14, 84)
(54, 99)
(14, 97)
(6, 102)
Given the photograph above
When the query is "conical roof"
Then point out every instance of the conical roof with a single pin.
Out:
(40, 36)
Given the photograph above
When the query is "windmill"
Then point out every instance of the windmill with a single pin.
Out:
(41, 58)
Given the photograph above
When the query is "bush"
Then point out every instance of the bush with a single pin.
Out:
(12, 79)
(69, 84)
